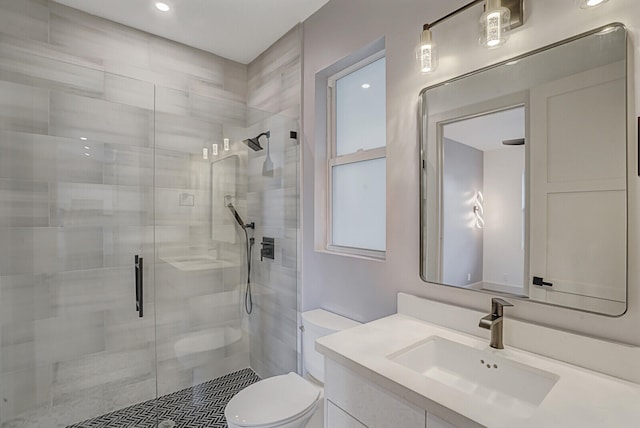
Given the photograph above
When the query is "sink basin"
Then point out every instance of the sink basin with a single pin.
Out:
(481, 374)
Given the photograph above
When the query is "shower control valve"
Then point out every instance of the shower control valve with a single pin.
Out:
(268, 248)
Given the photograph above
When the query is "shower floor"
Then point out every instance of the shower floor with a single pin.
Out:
(196, 407)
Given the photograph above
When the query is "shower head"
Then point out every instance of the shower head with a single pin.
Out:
(254, 143)
(229, 204)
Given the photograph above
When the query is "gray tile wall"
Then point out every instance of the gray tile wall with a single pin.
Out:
(275, 86)
(71, 344)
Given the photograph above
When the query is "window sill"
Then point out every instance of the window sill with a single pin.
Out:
(358, 253)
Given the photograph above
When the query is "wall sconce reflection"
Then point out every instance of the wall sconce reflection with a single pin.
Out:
(478, 210)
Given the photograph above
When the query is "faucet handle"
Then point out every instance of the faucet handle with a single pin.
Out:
(497, 304)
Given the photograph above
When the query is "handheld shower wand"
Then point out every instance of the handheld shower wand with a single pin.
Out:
(241, 223)
(248, 298)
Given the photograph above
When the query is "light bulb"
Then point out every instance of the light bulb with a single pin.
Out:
(163, 7)
(426, 53)
(587, 4)
(495, 23)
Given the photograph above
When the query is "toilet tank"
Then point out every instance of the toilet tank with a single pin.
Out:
(318, 323)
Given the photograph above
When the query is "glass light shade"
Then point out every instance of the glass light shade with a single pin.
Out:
(495, 24)
(587, 4)
(426, 53)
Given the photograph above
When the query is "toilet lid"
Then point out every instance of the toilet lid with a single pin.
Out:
(272, 400)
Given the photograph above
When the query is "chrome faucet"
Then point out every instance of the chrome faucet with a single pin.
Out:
(493, 322)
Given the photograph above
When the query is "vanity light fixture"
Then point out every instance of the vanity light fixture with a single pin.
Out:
(495, 24)
(214, 149)
(426, 53)
(588, 4)
(225, 144)
(499, 17)
(205, 153)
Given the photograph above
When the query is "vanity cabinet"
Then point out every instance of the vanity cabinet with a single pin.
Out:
(355, 402)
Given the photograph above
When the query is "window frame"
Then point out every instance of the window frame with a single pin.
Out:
(333, 159)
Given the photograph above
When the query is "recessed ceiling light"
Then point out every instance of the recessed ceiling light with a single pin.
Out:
(366, 86)
(84, 138)
(87, 148)
(162, 7)
(87, 154)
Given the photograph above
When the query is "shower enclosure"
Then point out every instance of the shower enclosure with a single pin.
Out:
(122, 271)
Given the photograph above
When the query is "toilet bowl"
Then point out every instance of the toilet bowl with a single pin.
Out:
(288, 401)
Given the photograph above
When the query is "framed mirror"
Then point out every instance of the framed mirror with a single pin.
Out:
(524, 176)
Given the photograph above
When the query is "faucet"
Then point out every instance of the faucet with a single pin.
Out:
(493, 322)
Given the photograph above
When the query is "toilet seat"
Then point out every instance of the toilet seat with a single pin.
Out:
(272, 401)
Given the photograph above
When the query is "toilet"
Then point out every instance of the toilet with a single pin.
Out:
(288, 401)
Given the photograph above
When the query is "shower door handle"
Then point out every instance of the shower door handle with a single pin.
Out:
(138, 268)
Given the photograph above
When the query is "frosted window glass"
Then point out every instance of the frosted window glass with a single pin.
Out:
(359, 204)
(361, 111)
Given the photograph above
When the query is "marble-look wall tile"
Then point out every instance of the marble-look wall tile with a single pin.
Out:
(73, 116)
(24, 204)
(98, 39)
(186, 134)
(38, 65)
(24, 298)
(46, 250)
(275, 76)
(25, 390)
(25, 18)
(76, 204)
(23, 108)
(171, 169)
(40, 158)
(62, 338)
(127, 165)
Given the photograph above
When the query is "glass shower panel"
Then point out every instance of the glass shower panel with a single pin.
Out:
(76, 162)
(272, 202)
(199, 247)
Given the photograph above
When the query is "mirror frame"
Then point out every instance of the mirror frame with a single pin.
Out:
(422, 136)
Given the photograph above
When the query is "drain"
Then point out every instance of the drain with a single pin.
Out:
(167, 424)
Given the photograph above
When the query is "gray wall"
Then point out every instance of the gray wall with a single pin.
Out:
(462, 247)
(365, 289)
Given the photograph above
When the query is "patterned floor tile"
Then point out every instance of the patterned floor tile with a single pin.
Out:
(196, 407)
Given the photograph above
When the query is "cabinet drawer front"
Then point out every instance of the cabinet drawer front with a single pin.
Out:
(338, 418)
(367, 402)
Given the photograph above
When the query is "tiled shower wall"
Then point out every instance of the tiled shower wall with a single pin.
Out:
(72, 346)
(274, 86)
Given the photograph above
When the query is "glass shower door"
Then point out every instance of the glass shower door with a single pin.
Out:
(76, 206)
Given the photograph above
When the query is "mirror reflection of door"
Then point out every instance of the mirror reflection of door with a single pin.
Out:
(483, 202)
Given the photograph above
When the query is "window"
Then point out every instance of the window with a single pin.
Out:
(357, 159)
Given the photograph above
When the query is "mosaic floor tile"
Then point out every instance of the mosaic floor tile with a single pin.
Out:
(196, 407)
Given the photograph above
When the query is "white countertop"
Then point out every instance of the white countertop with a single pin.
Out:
(580, 398)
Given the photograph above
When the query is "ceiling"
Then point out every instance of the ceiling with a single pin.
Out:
(489, 131)
(239, 30)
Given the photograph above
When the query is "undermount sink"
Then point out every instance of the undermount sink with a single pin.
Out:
(482, 374)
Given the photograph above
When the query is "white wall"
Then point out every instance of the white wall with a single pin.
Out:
(503, 261)
(364, 289)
